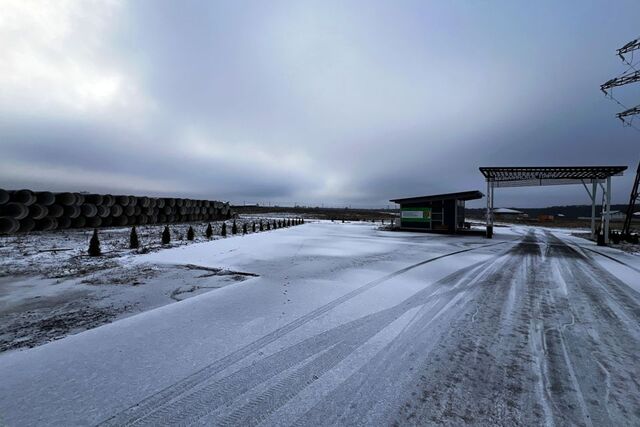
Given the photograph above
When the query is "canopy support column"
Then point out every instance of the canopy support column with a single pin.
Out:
(592, 195)
(607, 212)
(594, 189)
(489, 218)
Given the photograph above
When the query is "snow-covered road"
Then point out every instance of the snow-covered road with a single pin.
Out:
(347, 325)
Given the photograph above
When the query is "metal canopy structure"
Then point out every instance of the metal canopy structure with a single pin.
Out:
(555, 175)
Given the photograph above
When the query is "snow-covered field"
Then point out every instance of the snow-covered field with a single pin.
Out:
(344, 324)
(50, 287)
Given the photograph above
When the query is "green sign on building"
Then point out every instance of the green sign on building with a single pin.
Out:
(416, 214)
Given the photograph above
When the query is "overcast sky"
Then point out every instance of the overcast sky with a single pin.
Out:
(341, 103)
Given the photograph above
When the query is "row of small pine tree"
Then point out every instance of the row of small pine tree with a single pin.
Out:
(134, 242)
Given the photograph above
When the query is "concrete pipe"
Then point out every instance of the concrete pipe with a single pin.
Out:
(8, 225)
(63, 222)
(161, 218)
(153, 202)
(211, 210)
(45, 198)
(133, 200)
(72, 211)
(38, 211)
(93, 222)
(129, 210)
(179, 203)
(116, 211)
(107, 221)
(65, 199)
(170, 202)
(79, 198)
(120, 221)
(95, 199)
(142, 219)
(137, 210)
(103, 211)
(47, 224)
(108, 200)
(55, 211)
(4, 196)
(78, 222)
(148, 210)
(14, 210)
(26, 225)
(143, 202)
(25, 197)
(182, 210)
(166, 210)
(122, 200)
(89, 210)
(160, 203)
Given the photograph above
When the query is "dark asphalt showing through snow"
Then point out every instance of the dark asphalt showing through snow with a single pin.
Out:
(538, 334)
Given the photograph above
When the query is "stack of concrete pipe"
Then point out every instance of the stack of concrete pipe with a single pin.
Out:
(26, 210)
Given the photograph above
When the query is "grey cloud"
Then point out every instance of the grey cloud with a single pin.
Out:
(339, 102)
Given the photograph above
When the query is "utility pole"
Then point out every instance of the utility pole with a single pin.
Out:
(626, 117)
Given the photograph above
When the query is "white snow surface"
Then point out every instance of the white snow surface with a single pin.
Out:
(244, 354)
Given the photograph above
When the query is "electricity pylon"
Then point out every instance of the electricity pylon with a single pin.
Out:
(624, 79)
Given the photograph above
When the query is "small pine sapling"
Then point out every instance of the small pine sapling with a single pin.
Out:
(223, 232)
(261, 226)
(94, 244)
(268, 225)
(134, 243)
(209, 231)
(234, 228)
(253, 227)
(275, 224)
(166, 235)
(190, 234)
(244, 228)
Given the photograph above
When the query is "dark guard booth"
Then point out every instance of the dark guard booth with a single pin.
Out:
(443, 213)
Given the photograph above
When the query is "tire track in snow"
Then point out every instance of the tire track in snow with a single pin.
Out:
(479, 371)
(603, 338)
(173, 392)
(208, 403)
